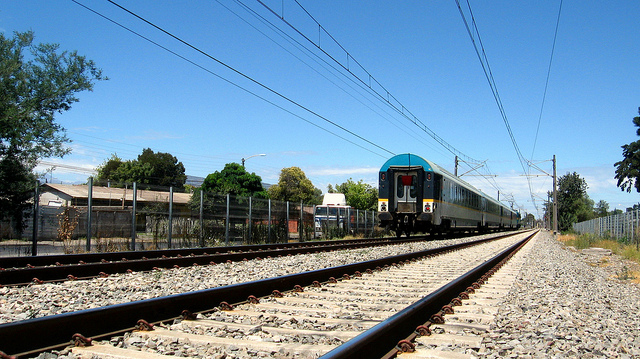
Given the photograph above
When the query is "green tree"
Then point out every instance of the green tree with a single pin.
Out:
(134, 171)
(359, 195)
(166, 169)
(574, 205)
(36, 83)
(17, 185)
(602, 209)
(635, 207)
(106, 171)
(235, 180)
(628, 170)
(150, 169)
(294, 186)
(33, 91)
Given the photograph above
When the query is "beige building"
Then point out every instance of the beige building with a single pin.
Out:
(64, 195)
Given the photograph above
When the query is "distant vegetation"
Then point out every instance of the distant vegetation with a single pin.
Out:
(574, 205)
(149, 170)
(628, 170)
(619, 247)
(359, 195)
(294, 186)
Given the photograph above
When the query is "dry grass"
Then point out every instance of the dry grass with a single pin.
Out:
(626, 251)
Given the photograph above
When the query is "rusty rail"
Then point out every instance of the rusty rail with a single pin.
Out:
(56, 331)
(94, 264)
(388, 334)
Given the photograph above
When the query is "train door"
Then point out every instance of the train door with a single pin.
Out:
(406, 194)
(437, 198)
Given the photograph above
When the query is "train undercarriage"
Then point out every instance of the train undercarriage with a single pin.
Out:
(409, 223)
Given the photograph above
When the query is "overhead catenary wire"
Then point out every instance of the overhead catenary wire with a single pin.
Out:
(544, 96)
(329, 67)
(239, 86)
(387, 97)
(546, 83)
(484, 62)
(260, 84)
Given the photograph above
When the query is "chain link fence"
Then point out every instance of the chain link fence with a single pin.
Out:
(121, 219)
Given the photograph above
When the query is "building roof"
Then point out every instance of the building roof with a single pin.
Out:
(107, 193)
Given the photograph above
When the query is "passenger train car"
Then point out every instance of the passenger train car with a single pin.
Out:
(416, 195)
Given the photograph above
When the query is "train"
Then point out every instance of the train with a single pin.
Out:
(416, 195)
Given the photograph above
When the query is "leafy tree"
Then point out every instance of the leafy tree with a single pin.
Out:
(17, 185)
(634, 208)
(602, 209)
(150, 169)
(293, 185)
(628, 170)
(33, 91)
(36, 83)
(359, 195)
(106, 171)
(167, 171)
(574, 205)
(134, 171)
(235, 180)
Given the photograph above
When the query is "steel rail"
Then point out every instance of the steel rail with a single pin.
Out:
(47, 260)
(383, 337)
(36, 335)
(23, 276)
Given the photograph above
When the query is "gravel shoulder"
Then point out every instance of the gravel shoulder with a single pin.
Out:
(568, 304)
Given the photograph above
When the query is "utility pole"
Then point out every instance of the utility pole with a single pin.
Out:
(455, 171)
(553, 208)
(549, 213)
(555, 198)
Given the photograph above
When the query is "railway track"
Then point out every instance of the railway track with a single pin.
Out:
(316, 314)
(56, 268)
(460, 334)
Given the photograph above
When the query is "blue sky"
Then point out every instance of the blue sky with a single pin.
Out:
(418, 50)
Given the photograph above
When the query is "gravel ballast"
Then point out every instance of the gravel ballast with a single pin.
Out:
(564, 305)
(33, 301)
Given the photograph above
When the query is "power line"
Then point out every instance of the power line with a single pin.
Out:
(249, 77)
(546, 83)
(386, 97)
(241, 74)
(544, 96)
(482, 56)
(320, 61)
(76, 169)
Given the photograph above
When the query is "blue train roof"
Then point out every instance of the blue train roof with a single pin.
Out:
(407, 159)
